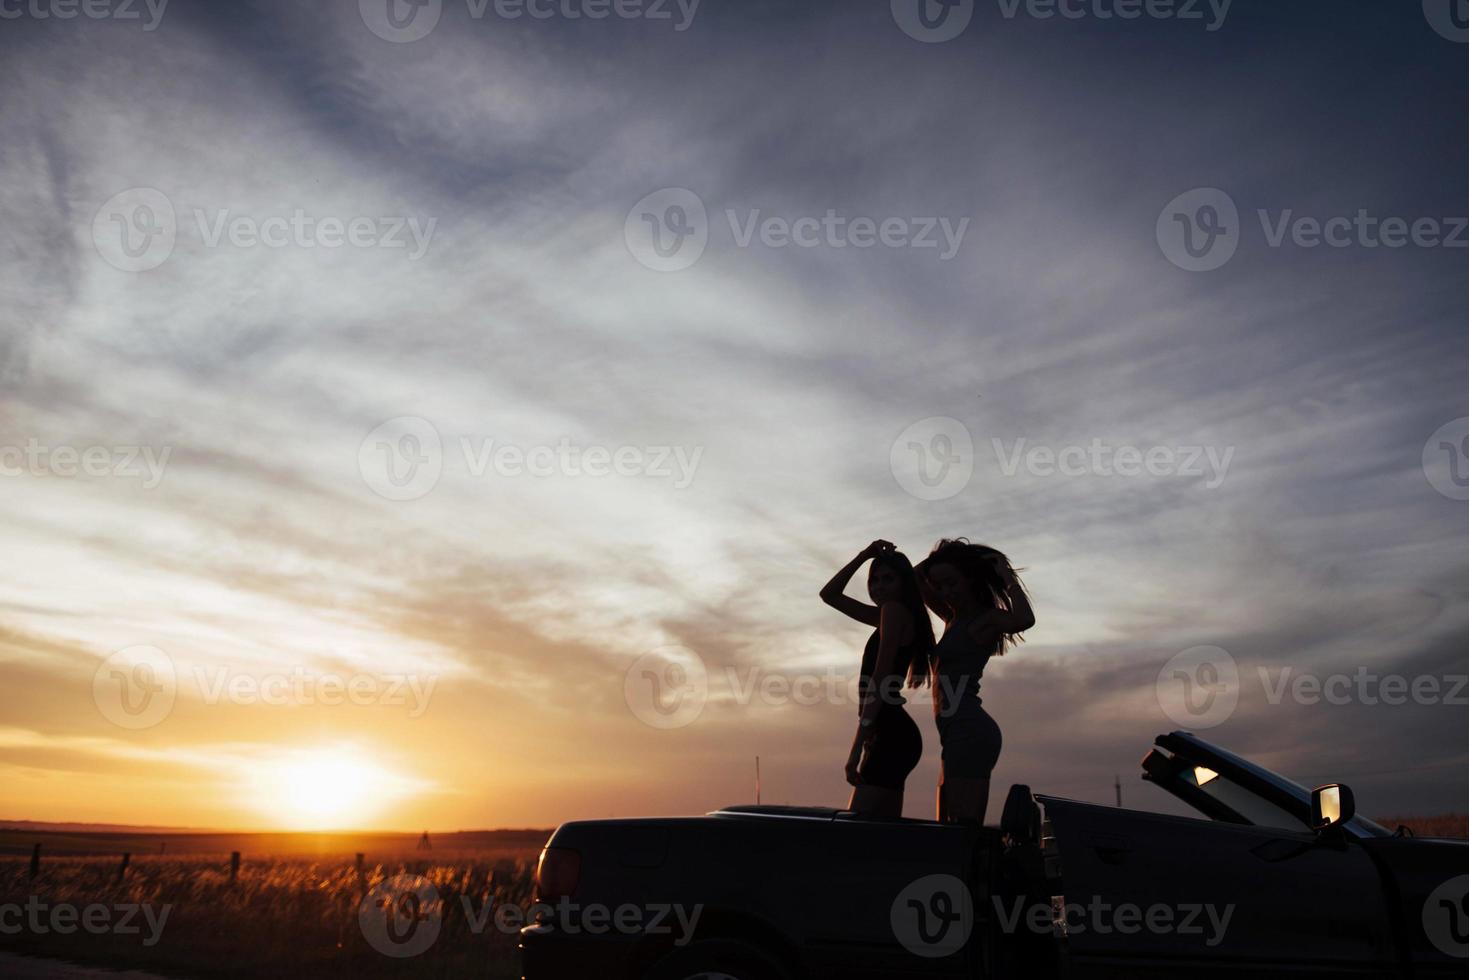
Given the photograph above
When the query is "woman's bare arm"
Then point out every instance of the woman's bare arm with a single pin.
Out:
(834, 593)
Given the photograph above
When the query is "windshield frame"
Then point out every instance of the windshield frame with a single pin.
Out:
(1196, 750)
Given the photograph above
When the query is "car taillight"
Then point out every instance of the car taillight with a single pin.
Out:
(557, 873)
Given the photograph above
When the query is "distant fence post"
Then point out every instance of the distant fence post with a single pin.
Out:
(122, 869)
(36, 860)
(234, 866)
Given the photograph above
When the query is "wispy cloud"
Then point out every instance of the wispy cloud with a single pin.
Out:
(516, 150)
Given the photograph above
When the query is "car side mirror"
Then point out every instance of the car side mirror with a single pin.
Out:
(1331, 806)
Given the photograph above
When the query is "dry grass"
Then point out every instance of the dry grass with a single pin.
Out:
(1449, 825)
(283, 917)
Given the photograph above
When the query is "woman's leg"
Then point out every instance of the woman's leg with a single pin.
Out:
(970, 755)
(963, 799)
(877, 801)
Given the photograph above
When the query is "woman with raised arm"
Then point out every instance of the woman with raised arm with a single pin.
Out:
(887, 745)
(975, 591)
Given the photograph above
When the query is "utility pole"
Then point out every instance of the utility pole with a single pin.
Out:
(757, 780)
(1118, 779)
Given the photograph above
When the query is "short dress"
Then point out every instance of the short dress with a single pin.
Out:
(970, 737)
(894, 744)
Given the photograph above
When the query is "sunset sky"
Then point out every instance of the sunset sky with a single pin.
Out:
(763, 399)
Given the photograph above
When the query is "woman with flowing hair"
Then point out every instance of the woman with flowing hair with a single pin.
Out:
(985, 609)
(887, 745)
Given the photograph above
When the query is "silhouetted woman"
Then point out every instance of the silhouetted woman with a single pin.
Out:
(974, 590)
(887, 745)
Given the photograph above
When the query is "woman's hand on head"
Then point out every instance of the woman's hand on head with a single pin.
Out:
(878, 547)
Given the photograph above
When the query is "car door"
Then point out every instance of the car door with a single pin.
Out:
(1212, 897)
(896, 899)
(1430, 889)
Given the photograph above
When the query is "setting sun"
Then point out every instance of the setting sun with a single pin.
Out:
(316, 789)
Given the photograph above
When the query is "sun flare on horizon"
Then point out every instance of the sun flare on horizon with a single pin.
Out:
(328, 788)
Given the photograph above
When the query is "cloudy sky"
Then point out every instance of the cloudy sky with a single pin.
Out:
(368, 461)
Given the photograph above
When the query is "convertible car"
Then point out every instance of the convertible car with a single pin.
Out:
(1268, 878)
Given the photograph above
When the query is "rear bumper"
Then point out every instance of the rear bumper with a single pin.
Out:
(548, 954)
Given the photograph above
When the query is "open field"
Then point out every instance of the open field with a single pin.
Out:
(1448, 825)
(298, 907)
(303, 911)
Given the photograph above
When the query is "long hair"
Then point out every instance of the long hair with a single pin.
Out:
(915, 660)
(981, 565)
